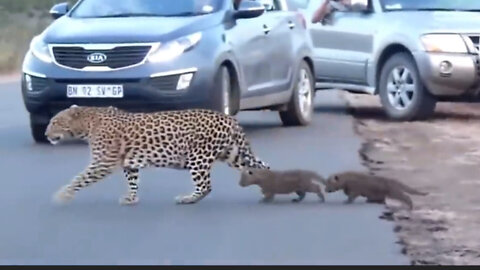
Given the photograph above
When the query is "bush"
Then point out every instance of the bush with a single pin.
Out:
(25, 6)
(20, 20)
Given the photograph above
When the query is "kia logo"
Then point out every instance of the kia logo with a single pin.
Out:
(96, 58)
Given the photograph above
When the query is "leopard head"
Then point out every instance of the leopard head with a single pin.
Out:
(333, 184)
(252, 176)
(67, 124)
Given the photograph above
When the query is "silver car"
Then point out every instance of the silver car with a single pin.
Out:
(411, 53)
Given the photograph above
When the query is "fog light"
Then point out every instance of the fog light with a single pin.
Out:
(28, 82)
(184, 81)
(446, 68)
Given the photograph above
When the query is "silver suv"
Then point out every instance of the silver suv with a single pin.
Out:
(411, 53)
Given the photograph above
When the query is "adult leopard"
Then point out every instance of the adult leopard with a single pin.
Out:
(186, 139)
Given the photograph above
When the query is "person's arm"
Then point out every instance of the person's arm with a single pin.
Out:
(321, 12)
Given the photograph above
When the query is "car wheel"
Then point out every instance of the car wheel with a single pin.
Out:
(224, 100)
(38, 132)
(300, 108)
(402, 93)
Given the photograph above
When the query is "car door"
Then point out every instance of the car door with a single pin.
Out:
(278, 26)
(343, 45)
(247, 39)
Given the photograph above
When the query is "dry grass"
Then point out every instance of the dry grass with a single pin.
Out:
(24, 6)
(20, 20)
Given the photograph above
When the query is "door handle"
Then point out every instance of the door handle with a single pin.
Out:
(266, 29)
(291, 25)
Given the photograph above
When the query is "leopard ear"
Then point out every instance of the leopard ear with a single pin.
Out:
(75, 111)
(254, 170)
(247, 172)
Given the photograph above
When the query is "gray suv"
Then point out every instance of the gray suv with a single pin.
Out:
(410, 53)
(150, 55)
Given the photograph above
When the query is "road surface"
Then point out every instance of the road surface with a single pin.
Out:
(229, 226)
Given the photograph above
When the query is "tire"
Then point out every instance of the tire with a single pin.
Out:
(224, 99)
(300, 107)
(38, 132)
(403, 95)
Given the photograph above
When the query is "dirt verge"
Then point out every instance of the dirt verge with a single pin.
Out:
(8, 78)
(440, 156)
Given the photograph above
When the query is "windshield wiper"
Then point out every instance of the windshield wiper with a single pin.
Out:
(435, 9)
(184, 14)
(126, 15)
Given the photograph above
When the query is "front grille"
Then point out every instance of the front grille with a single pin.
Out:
(119, 57)
(38, 84)
(165, 83)
(475, 39)
(477, 64)
(97, 81)
(476, 42)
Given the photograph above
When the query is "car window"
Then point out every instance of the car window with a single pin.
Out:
(271, 5)
(350, 5)
(359, 5)
(302, 4)
(447, 5)
(133, 8)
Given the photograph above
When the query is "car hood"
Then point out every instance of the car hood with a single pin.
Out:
(437, 21)
(125, 30)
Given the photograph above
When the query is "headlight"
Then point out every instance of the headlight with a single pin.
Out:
(448, 43)
(40, 49)
(171, 50)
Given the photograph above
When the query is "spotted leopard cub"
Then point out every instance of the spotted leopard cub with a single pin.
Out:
(188, 139)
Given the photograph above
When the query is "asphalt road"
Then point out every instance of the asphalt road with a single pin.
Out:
(227, 227)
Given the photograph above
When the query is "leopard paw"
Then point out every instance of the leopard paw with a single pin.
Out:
(189, 199)
(128, 200)
(64, 195)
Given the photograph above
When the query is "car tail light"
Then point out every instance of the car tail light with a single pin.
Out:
(302, 20)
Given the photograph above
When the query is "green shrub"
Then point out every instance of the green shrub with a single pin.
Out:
(25, 6)
(20, 20)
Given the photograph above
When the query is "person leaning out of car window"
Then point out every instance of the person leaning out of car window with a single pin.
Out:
(326, 8)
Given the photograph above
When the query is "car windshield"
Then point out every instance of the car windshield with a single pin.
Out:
(144, 8)
(441, 5)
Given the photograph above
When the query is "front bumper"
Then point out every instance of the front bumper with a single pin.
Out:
(145, 88)
(446, 74)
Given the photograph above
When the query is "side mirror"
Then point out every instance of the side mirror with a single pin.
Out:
(249, 9)
(59, 10)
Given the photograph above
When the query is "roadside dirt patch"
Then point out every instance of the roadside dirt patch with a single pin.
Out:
(9, 77)
(440, 156)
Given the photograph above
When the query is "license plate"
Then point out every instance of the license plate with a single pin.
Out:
(95, 91)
